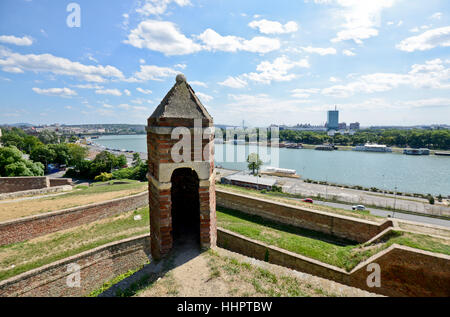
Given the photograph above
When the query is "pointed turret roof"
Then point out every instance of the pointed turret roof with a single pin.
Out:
(181, 103)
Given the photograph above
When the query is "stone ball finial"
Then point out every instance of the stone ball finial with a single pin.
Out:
(180, 78)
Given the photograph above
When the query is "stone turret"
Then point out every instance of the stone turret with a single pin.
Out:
(181, 193)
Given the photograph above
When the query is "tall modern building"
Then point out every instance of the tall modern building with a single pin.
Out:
(333, 119)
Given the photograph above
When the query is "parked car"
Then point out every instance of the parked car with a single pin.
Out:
(308, 200)
(358, 207)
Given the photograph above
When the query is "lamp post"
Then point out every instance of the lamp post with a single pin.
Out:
(395, 200)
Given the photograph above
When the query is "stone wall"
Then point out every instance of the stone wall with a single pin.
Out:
(97, 266)
(34, 226)
(404, 271)
(15, 184)
(35, 192)
(354, 229)
(60, 181)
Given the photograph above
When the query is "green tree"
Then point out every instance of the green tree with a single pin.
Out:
(136, 159)
(121, 161)
(12, 163)
(77, 154)
(254, 163)
(106, 162)
(43, 154)
(62, 153)
(48, 137)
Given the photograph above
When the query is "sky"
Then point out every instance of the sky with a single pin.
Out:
(384, 62)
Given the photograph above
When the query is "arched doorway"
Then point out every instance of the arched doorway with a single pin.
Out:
(185, 206)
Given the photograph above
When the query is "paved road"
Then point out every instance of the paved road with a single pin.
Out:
(385, 213)
(358, 197)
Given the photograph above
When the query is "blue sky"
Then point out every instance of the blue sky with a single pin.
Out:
(384, 62)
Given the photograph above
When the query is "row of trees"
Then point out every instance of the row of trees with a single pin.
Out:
(46, 148)
(433, 139)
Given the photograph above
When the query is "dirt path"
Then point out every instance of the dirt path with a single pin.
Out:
(187, 272)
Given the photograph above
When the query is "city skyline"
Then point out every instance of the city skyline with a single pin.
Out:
(384, 63)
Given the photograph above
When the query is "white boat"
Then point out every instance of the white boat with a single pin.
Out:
(372, 147)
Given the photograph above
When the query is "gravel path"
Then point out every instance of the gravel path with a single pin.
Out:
(187, 272)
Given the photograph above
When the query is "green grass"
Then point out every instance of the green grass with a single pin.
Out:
(105, 187)
(112, 282)
(31, 254)
(316, 245)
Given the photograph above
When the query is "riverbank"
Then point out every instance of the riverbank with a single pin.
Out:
(384, 172)
(327, 193)
(95, 149)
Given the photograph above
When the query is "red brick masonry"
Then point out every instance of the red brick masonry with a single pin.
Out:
(17, 184)
(354, 229)
(97, 266)
(34, 226)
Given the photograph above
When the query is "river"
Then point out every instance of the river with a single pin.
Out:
(413, 174)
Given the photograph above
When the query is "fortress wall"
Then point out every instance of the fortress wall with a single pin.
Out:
(96, 267)
(354, 229)
(15, 184)
(26, 228)
(404, 271)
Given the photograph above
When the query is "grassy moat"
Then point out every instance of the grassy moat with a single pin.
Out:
(21, 257)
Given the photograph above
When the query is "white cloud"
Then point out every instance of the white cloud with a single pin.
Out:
(437, 16)
(304, 93)
(278, 70)
(20, 41)
(18, 63)
(431, 75)
(153, 72)
(233, 82)
(140, 108)
(158, 7)
(348, 53)
(161, 36)
(427, 40)
(198, 83)
(112, 92)
(144, 91)
(181, 66)
(213, 41)
(362, 18)
(127, 92)
(61, 92)
(273, 27)
(355, 34)
(320, 50)
(204, 97)
(334, 79)
(164, 37)
(88, 86)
